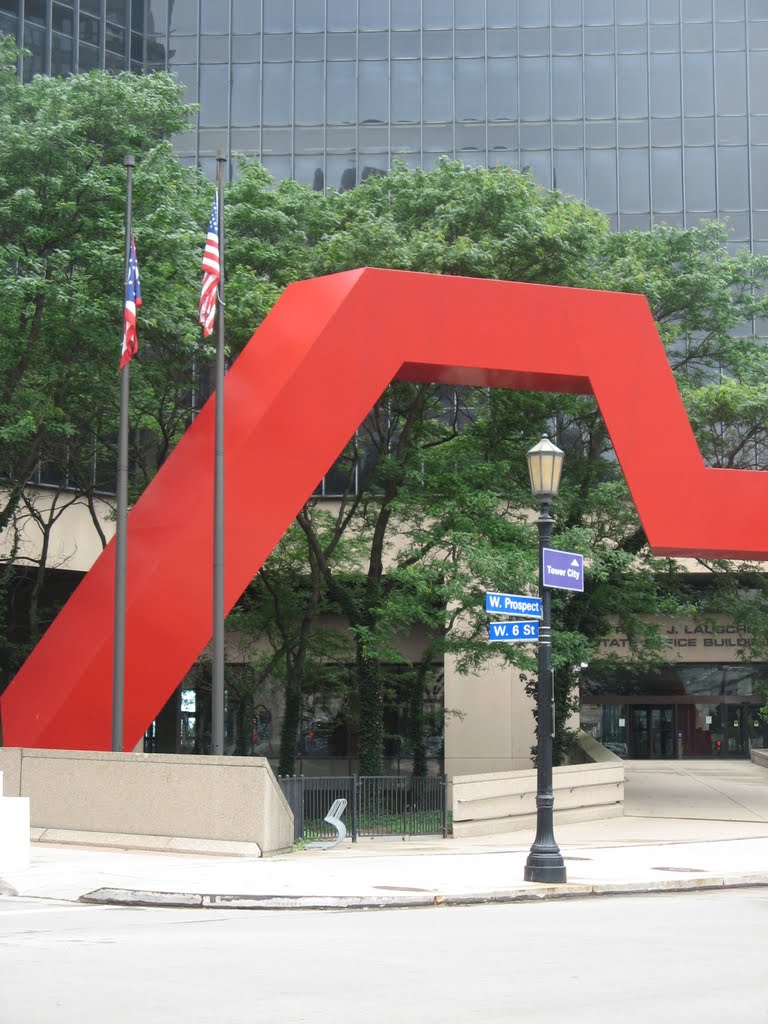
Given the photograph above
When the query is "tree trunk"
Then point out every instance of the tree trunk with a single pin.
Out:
(289, 733)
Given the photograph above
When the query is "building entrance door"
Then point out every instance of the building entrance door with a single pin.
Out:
(652, 731)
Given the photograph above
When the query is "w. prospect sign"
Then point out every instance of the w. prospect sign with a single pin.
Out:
(350, 335)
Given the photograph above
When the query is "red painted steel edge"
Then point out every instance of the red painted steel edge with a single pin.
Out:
(294, 396)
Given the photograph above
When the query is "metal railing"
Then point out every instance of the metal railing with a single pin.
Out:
(377, 805)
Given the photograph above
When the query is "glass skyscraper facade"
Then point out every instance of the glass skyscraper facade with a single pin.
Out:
(650, 110)
(71, 36)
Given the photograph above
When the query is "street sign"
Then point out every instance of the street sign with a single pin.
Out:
(562, 570)
(513, 604)
(513, 632)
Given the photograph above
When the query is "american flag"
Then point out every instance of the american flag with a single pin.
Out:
(132, 303)
(211, 272)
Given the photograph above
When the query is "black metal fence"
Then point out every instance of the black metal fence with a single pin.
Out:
(377, 805)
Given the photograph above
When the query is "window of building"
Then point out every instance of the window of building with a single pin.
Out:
(373, 45)
(567, 78)
(632, 39)
(601, 179)
(699, 84)
(470, 90)
(566, 40)
(277, 86)
(599, 86)
(434, 44)
(406, 91)
(246, 16)
(502, 89)
(309, 47)
(665, 84)
(342, 15)
(278, 16)
(700, 178)
(667, 178)
(62, 55)
(183, 17)
(438, 90)
(405, 14)
(310, 93)
(341, 93)
(569, 172)
(598, 12)
(373, 100)
(501, 14)
(276, 48)
(696, 10)
(469, 44)
(89, 58)
(634, 184)
(566, 12)
(374, 15)
(733, 178)
(310, 16)
(214, 85)
(341, 46)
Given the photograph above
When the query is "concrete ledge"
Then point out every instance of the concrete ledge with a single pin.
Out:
(126, 841)
(759, 757)
(506, 801)
(151, 801)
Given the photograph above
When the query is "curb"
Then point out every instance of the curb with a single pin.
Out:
(150, 898)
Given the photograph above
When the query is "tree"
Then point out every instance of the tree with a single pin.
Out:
(453, 220)
(436, 488)
(62, 225)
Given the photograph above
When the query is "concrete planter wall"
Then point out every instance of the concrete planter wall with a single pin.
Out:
(161, 801)
(760, 757)
(506, 801)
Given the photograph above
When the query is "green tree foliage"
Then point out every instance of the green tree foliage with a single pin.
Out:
(444, 512)
(62, 231)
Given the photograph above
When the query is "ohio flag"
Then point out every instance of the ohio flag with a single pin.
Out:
(211, 272)
(132, 303)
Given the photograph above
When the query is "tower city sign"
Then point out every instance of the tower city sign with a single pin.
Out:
(562, 570)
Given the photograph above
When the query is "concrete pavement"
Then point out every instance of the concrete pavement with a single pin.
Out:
(687, 825)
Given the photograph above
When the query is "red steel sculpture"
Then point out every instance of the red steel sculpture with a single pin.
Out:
(294, 397)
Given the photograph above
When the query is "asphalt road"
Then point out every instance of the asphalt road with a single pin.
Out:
(689, 957)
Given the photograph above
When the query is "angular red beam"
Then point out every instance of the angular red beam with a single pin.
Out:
(293, 399)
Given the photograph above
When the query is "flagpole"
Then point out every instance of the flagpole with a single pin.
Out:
(217, 686)
(118, 649)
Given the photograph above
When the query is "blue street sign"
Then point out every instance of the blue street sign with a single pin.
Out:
(513, 604)
(513, 632)
(563, 570)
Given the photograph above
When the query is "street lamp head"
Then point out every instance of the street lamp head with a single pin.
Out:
(545, 462)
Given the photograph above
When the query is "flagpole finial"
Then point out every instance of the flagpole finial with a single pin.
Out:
(129, 160)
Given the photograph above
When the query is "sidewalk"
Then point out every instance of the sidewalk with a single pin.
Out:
(687, 825)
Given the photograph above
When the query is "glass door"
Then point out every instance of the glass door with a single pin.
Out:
(652, 732)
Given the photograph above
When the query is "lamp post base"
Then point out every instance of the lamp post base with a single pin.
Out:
(545, 867)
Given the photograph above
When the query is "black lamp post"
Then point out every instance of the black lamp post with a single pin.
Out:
(545, 862)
